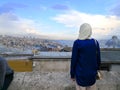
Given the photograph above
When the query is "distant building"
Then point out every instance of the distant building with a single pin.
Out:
(66, 49)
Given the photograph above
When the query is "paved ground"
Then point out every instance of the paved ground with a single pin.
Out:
(59, 81)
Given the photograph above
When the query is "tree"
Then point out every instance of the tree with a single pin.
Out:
(114, 42)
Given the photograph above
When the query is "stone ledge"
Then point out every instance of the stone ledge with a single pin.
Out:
(59, 81)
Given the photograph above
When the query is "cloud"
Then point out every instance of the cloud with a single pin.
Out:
(10, 7)
(116, 9)
(60, 7)
(12, 24)
(103, 26)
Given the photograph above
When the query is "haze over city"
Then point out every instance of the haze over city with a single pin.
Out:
(59, 19)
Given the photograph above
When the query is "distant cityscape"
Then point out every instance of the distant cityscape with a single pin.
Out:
(28, 44)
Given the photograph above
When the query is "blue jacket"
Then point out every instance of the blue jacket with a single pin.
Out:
(85, 61)
(4, 70)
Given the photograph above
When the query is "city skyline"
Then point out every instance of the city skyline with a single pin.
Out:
(54, 19)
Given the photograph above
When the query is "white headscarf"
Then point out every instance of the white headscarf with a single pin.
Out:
(85, 31)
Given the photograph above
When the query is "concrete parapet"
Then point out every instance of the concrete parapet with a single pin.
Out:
(51, 65)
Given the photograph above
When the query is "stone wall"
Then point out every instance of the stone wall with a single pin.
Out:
(51, 65)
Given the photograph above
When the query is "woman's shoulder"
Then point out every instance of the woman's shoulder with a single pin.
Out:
(76, 41)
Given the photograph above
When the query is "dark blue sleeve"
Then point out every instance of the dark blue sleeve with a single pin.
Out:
(2, 71)
(74, 59)
(98, 56)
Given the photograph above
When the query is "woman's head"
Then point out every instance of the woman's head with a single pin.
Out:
(85, 31)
